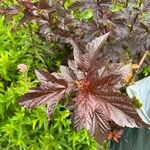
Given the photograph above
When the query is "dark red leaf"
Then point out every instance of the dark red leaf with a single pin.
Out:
(96, 100)
(51, 90)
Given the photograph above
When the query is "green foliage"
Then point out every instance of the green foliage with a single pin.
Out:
(78, 14)
(17, 48)
(116, 7)
(22, 129)
(83, 15)
(68, 3)
(136, 102)
(145, 72)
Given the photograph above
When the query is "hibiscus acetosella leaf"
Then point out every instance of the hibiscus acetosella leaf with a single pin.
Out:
(96, 101)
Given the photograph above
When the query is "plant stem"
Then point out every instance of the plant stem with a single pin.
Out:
(140, 64)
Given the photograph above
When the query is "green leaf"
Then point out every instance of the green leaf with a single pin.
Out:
(136, 102)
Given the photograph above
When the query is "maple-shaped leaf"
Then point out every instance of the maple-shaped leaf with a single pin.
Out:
(50, 91)
(94, 80)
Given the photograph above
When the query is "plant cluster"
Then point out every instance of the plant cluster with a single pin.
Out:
(22, 129)
(91, 81)
(84, 20)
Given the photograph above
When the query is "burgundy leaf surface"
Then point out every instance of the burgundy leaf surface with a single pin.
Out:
(94, 80)
(50, 91)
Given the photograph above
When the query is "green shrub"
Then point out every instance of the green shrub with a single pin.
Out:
(145, 72)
